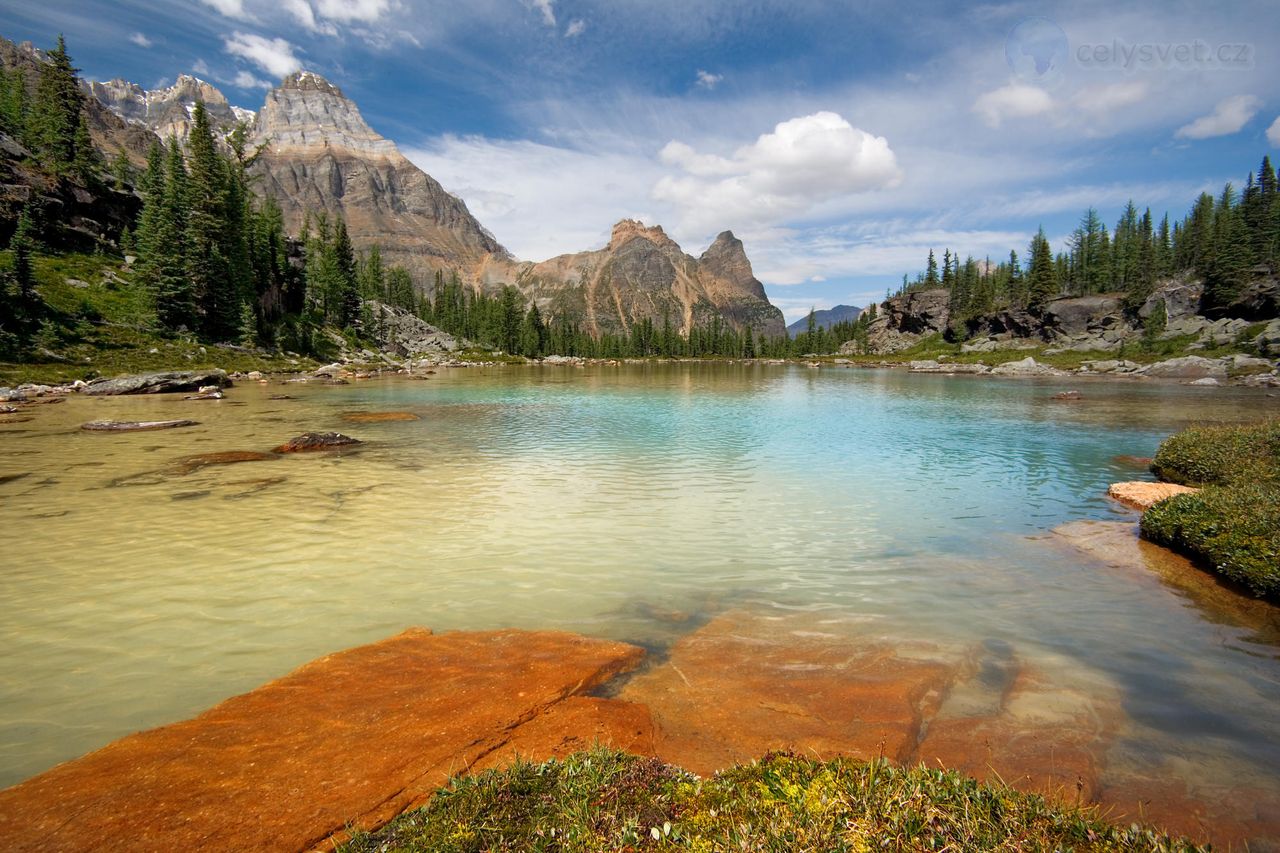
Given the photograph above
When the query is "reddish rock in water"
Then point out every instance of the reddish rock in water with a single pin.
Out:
(1143, 495)
(743, 685)
(378, 417)
(1140, 462)
(1040, 734)
(310, 441)
(577, 724)
(187, 464)
(351, 739)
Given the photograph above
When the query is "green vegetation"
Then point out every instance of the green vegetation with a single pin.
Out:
(1221, 240)
(604, 800)
(1233, 524)
(95, 319)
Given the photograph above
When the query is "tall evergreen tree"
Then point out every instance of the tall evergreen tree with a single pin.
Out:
(55, 115)
(1042, 280)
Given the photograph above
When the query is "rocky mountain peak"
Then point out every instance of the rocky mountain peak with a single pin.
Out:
(168, 111)
(629, 229)
(307, 111)
(727, 257)
(309, 81)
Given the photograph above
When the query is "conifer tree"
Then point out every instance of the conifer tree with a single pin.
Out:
(172, 287)
(55, 115)
(1042, 283)
(348, 294)
(23, 245)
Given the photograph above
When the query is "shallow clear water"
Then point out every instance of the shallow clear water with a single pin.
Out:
(592, 499)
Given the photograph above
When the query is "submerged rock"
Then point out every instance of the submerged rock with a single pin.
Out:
(378, 417)
(310, 441)
(349, 740)
(187, 464)
(135, 426)
(1144, 495)
(158, 383)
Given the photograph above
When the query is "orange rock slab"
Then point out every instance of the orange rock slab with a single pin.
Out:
(1144, 495)
(350, 739)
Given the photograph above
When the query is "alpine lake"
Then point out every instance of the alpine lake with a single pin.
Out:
(143, 579)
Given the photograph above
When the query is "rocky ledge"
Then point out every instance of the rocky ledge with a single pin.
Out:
(351, 739)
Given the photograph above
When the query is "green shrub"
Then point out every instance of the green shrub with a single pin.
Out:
(1233, 524)
(1203, 456)
(1235, 530)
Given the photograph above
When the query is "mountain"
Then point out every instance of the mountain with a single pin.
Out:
(320, 155)
(825, 318)
(167, 112)
(643, 274)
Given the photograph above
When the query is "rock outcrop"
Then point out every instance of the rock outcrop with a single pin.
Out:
(643, 274)
(320, 155)
(158, 383)
(310, 442)
(167, 112)
(404, 334)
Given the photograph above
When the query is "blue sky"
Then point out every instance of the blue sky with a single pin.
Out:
(840, 141)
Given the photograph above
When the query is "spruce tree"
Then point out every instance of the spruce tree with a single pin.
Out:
(347, 299)
(1042, 283)
(172, 287)
(55, 115)
(23, 246)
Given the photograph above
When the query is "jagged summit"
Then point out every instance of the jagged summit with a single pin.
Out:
(310, 81)
(630, 229)
(167, 111)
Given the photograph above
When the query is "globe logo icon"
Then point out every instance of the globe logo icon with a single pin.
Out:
(1036, 49)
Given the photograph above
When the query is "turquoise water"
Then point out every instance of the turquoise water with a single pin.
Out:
(592, 499)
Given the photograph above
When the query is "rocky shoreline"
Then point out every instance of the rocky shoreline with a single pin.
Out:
(1236, 370)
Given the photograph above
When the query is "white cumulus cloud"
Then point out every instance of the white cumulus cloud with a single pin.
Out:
(707, 80)
(140, 40)
(576, 28)
(803, 162)
(1227, 117)
(1273, 133)
(274, 56)
(1017, 100)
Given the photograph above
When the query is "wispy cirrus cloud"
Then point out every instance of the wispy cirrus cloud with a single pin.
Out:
(1229, 116)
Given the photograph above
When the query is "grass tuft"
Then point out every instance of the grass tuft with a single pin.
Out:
(610, 801)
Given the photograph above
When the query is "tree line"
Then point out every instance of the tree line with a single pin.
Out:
(1221, 240)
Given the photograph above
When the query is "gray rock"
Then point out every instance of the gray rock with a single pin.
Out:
(1208, 380)
(1083, 316)
(1187, 367)
(924, 366)
(310, 441)
(1259, 300)
(1026, 367)
(1268, 341)
(1181, 299)
(134, 426)
(407, 336)
(158, 383)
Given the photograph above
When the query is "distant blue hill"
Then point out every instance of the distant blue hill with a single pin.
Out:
(825, 319)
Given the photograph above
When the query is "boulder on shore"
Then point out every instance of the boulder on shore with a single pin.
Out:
(158, 383)
(310, 441)
(1025, 367)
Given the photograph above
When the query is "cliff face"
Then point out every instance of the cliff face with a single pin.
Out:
(167, 112)
(320, 155)
(643, 274)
